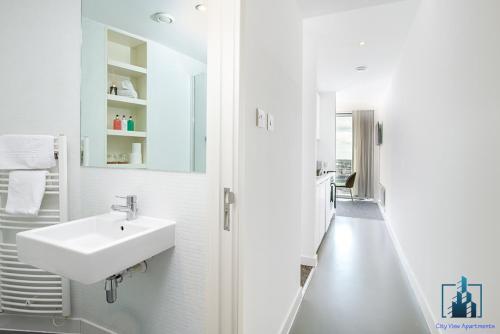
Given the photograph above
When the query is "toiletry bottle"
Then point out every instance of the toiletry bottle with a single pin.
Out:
(117, 124)
(113, 89)
(124, 123)
(130, 124)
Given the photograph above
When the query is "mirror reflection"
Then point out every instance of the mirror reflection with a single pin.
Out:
(144, 83)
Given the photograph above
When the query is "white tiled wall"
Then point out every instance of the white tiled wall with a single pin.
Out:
(170, 297)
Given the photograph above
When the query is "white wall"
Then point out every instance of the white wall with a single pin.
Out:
(327, 120)
(318, 139)
(271, 167)
(441, 153)
(40, 85)
(377, 150)
(309, 149)
(40, 90)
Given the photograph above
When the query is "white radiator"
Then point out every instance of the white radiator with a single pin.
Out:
(23, 288)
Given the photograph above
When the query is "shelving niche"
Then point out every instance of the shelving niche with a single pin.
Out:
(126, 60)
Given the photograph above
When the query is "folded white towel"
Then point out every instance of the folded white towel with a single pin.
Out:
(127, 93)
(26, 190)
(127, 84)
(27, 152)
(127, 89)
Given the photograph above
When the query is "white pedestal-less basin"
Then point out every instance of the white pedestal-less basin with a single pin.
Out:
(91, 249)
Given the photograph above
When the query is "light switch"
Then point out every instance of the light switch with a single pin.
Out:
(261, 118)
(270, 122)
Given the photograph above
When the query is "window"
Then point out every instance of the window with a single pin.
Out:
(343, 148)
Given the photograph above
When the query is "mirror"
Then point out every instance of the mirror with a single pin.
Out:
(144, 85)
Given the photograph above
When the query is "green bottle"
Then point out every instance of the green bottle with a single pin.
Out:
(130, 124)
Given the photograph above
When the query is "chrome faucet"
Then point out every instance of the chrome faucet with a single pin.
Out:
(130, 208)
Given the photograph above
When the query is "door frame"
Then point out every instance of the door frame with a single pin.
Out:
(223, 286)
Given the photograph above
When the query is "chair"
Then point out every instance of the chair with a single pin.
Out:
(349, 183)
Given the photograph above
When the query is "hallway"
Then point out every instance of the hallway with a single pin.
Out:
(359, 286)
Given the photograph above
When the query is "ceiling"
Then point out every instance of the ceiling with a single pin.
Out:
(337, 39)
(187, 34)
(323, 7)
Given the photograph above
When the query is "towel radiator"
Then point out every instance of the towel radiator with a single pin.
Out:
(25, 289)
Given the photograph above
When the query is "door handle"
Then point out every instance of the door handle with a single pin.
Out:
(228, 200)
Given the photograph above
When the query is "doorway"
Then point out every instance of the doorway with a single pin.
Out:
(344, 151)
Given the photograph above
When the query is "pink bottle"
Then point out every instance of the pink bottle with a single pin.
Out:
(117, 123)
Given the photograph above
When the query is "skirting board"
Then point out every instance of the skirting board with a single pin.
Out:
(422, 301)
(311, 261)
(36, 323)
(88, 327)
(294, 309)
(292, 312)
(46, 324)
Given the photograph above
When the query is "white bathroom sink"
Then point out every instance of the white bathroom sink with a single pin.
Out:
(91, 249)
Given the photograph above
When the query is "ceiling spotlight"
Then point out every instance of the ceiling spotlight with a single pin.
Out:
(161, 17)
(361, 68)
(362, 43)
(201, 7)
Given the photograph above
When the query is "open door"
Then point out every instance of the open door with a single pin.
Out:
(222, 165)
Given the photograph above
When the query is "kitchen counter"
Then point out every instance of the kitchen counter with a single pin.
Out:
(325, 177)
(324, 208)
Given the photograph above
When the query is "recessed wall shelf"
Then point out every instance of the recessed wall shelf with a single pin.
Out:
(121, 133)
(126, 60)
(123, 101)
(124, 69)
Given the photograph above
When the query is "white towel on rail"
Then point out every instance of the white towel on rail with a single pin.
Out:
(27, 152)
(26, 190)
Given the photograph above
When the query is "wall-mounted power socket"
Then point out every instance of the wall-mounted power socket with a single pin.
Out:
(261, 118)
(270, 122)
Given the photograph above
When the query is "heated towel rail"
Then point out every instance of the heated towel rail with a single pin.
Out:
(25, 289)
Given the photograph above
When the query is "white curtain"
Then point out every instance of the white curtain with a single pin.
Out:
(363, 141)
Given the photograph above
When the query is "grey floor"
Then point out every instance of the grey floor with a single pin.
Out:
(358, 286)
(358, 209)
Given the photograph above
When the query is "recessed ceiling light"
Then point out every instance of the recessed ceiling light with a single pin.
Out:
(361, 68)
(362, 43)
(161, 17)
(201, 7)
